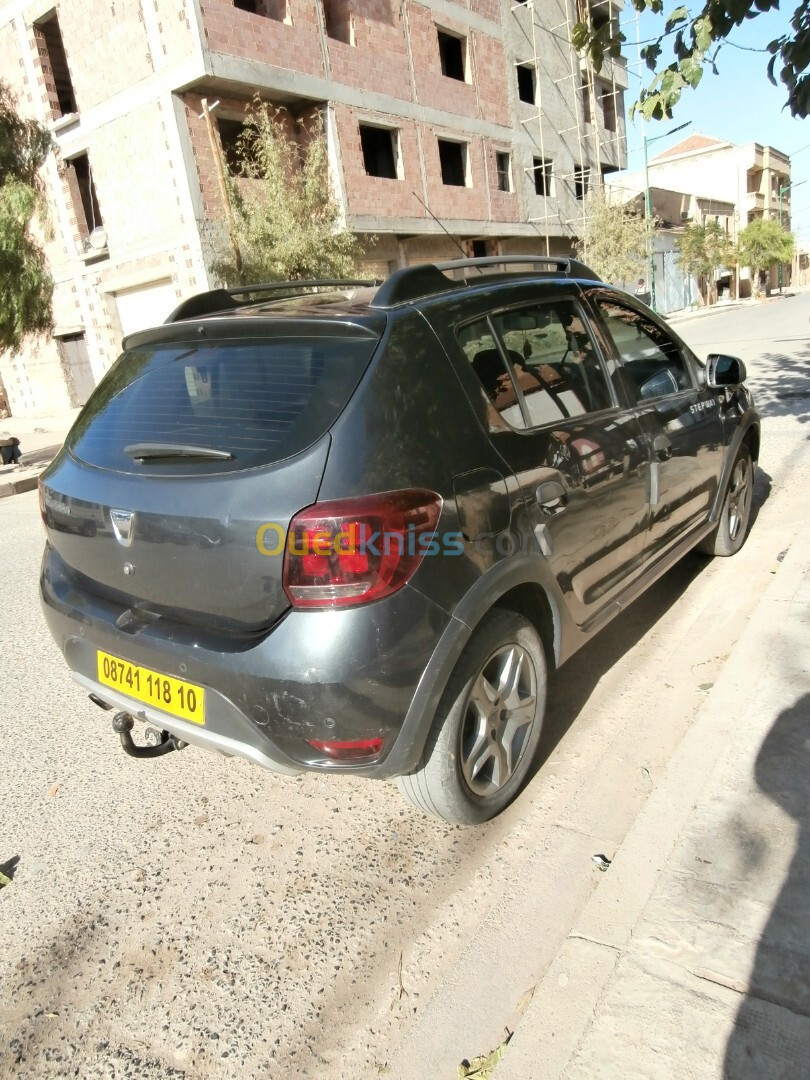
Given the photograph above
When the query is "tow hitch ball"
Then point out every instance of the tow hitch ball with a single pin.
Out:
(123, 723)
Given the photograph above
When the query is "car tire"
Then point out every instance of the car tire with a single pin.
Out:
(484, 738)
(735, 516)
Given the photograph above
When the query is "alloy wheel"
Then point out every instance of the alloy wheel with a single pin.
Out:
(739, 498)
(499, 715)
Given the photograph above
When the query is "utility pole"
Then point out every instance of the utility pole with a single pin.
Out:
(216, 150)
(648, 209)
(782, 191)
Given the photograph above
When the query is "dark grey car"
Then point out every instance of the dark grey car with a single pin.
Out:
(349, 527)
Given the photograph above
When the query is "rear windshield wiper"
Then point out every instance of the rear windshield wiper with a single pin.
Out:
(143, 451)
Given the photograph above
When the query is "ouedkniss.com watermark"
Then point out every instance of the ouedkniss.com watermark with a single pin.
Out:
(273, 539)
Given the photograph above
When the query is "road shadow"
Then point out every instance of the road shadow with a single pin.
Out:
(571, 686)
(9, 868)
(784, 390)
(771, 1036)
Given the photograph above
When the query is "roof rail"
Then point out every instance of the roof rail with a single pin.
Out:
(427, 279)
(207, 303)
(560, 264)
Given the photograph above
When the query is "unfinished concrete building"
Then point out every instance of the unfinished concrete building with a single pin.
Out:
(452, 124)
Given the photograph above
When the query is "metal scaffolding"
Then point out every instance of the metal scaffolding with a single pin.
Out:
(587, 148)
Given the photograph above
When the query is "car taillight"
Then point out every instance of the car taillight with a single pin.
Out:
(353, 551)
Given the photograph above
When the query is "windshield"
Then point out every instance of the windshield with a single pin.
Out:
(256, 402)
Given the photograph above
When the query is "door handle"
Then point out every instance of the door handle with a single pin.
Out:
(662, 448)
(551, 497)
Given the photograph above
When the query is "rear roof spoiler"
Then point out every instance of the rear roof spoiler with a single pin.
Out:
(208, 303)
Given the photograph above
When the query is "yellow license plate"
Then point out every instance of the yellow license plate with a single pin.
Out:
(153, 688)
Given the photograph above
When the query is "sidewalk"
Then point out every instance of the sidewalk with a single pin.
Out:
(733, 305)
(692, 957)
(40, 440)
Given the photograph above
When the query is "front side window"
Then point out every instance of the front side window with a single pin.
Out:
(651, 359)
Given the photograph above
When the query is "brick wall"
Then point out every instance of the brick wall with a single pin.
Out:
(373, 194)
(296, 46)
(93, 33)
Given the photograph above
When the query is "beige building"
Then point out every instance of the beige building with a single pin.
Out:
(753, 179)
(451, 123)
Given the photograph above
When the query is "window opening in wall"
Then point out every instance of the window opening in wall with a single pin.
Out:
(601, 14)
(55, 66)
(453, 159)
(586, 102)
(608, 99)
(503, 166)
(379, 147)
(83, 192)
(271, 9)
(337, 17)
(479, 249)
(582, 180)
(229, 133)
(525, 78)
(452, 50)
(543, 178)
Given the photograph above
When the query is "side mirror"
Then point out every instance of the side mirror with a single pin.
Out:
(722, 370)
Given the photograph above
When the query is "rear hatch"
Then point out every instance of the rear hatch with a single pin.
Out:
(178, 481)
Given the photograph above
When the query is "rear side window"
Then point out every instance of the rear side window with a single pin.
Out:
(478, 343)
(257, 401)
(553, 371)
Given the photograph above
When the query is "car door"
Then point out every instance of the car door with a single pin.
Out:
(579, 458)
(678, 417)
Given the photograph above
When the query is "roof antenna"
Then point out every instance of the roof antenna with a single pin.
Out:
(458, 245)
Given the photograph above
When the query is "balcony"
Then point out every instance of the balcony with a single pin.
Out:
(754, 201)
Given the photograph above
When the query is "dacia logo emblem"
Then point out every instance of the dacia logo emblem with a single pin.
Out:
(123, 522)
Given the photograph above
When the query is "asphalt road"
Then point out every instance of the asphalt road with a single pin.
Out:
(198, 917)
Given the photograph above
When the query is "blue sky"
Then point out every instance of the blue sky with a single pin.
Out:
(738, 104)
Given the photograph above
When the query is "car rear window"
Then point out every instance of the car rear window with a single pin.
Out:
(259, 401)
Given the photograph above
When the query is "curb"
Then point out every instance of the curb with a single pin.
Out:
(19, 487)
(719, 309)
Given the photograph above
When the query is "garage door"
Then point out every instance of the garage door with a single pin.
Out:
(148, 305)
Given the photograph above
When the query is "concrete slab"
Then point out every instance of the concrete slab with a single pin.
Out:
(698, 936)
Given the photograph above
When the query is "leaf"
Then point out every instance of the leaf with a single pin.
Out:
(4, 880)
(645, 772)
(525, 998)
(483, 1067)
(706, 686)
(52, 790)
(679, 15)
(702, 29)
(691, 70)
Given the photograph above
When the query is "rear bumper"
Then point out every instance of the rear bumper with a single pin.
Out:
(316, 675)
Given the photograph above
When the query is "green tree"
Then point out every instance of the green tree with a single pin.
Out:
(703, 250)
(761, 244)
(696, 38)
(286, 226)
(613, 239)
(26, 286)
